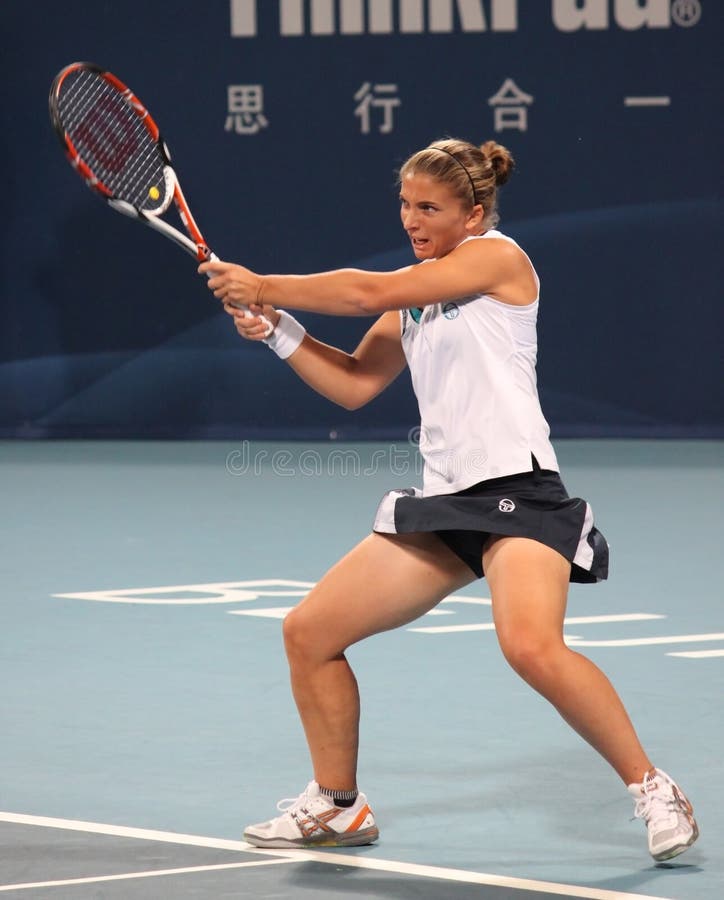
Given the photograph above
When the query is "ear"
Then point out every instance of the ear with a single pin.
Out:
(475, 218)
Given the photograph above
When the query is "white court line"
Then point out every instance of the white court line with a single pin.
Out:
(642, 642)
(453, 629)
(478, 601)
(330, 857)
(207, 593)
(698, 654)
(151, 873)
(570, 620)
(280, 612)
(263, 612)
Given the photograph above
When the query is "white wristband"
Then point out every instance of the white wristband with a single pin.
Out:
(287, 336)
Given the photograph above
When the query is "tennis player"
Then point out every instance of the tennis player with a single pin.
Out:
(492, 502)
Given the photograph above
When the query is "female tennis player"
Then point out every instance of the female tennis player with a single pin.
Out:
(492, 503)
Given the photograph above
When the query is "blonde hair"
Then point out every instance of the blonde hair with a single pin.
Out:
(474, 173)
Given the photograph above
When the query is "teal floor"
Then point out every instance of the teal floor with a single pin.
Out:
(144, 683)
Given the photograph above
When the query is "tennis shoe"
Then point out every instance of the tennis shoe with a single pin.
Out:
(669, 817)
(312, 820)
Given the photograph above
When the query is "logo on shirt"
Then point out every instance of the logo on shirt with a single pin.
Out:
(506, 505)
(450, 311)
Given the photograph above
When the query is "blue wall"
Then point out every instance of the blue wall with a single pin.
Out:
(107, 330)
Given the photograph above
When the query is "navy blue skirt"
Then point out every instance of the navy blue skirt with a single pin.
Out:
(531, 504)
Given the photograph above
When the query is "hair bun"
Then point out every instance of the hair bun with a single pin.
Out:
(500, 158)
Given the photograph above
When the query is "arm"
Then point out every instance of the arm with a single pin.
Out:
(493, 267)
(348, 379)
(353, 379)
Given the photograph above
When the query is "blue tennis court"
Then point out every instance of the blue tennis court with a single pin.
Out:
(147, 716)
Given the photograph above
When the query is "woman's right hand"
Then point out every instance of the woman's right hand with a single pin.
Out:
(253, 327)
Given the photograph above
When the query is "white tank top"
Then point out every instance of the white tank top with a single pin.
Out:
(472, 363)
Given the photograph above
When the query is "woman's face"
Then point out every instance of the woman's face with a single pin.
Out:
(435, 220)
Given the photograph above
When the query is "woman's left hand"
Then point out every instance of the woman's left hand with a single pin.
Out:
(253, 322)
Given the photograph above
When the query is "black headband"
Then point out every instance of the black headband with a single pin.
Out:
(465, 169)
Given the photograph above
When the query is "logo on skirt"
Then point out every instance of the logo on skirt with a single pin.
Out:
(506, 505)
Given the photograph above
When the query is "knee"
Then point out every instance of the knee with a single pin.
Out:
(534, 657)
(306, 642)
(296, 634)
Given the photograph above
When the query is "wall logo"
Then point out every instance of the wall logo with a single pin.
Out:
(568, 15)
(686, 12)
(320, 18)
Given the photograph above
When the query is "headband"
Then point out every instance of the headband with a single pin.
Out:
(465, 169)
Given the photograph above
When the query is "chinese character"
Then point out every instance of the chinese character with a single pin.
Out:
(245, 108)
(510, 106)
(376, 95)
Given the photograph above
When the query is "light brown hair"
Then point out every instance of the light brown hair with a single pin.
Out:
(474, 173)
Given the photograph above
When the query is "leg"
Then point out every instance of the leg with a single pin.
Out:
(385, 582)
(529, 586)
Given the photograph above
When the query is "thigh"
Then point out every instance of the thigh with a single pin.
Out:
(528, 584)
(384, 582)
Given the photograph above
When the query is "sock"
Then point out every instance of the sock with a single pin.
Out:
(345, 799)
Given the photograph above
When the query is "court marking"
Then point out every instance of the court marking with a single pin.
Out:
(279, 612)
(461, 598)
(215, 592)
(264, 612)
(642, 642)
(569, 620)
(330, 857)
(150, 873)
(244, 592)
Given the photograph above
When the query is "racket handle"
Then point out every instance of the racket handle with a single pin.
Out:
(247, 312)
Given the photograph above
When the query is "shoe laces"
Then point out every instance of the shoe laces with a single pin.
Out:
(657, 798)
(294, 804)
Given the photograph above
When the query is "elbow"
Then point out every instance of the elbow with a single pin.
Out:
(351, 404)
(354, 398)
(374, 294)
(365, 307)
(373, 302)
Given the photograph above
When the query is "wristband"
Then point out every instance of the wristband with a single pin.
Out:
(287, 336)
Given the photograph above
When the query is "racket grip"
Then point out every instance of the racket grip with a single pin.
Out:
(247, 312)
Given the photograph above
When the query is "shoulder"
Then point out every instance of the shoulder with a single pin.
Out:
(512, 278)
(492, 242)
(490, 248)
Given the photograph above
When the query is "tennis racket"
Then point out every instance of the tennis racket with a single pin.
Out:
(111, 140)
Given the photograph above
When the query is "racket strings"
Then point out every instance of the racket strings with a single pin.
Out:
(111, 138)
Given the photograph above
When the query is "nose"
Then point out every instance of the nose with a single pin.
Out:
(409, 222)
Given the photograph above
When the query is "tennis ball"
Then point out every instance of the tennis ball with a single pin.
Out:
(154, 193)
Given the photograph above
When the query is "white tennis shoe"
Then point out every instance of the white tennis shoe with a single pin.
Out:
(669, 817)
(312, 820)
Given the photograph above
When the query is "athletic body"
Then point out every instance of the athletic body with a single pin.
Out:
(492, 502)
